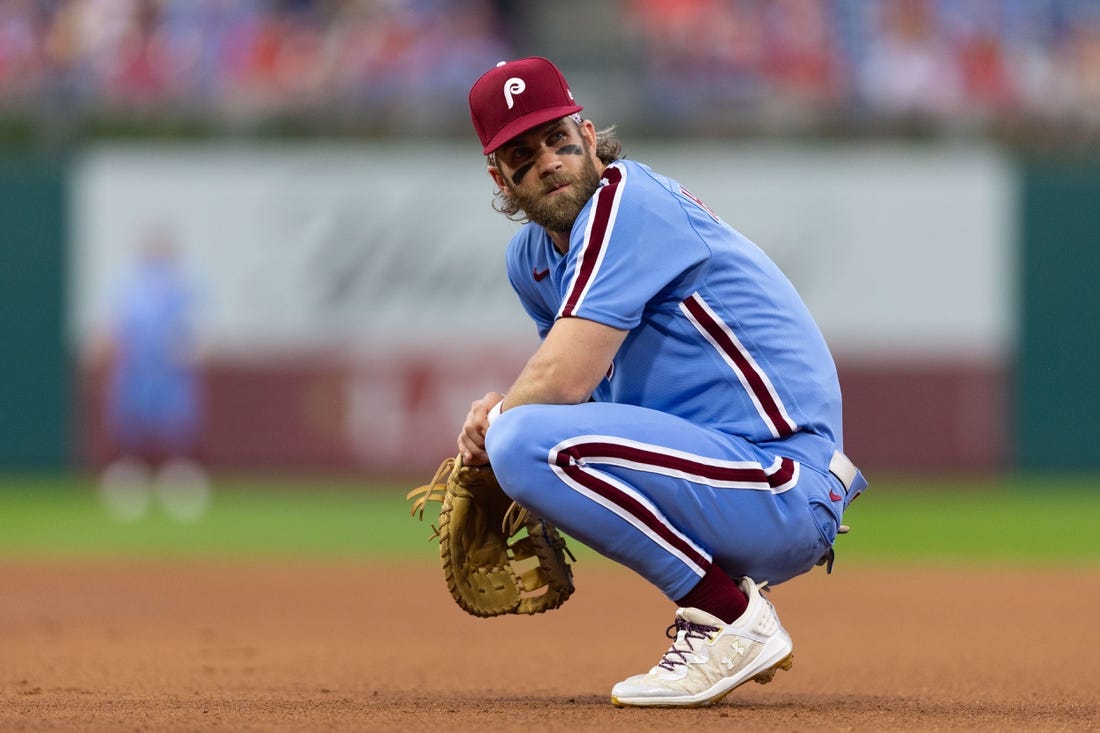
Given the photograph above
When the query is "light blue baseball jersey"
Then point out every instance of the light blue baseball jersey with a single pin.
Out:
(153, 392)
(711, 439)
(718, 334)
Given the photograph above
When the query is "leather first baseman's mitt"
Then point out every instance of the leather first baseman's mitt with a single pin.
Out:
(490, 569)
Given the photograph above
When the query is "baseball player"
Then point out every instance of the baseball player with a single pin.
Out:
(682, 415)
(153, 401)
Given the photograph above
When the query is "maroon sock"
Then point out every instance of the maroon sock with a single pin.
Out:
(718, 595)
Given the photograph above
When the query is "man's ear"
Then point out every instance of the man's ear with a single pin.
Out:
(498, 178)
(589, 131)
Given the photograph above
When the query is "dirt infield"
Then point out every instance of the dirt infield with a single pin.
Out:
(96, 646)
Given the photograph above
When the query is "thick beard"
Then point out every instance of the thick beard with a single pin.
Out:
(558, 213)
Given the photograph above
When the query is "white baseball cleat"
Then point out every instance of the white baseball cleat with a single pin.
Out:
(709, 657)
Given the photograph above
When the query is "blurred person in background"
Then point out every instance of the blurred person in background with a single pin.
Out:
(911, 71)
(682, 415)
(153, 397)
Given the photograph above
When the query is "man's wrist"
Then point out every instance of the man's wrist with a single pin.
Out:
(495, 410)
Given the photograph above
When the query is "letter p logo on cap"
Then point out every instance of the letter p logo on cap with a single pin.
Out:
(515, 85)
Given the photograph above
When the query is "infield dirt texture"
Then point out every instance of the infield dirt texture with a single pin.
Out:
(101, 645)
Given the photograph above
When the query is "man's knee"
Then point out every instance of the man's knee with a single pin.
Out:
(516, 448)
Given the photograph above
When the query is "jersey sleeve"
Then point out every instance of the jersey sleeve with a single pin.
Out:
(637, 244)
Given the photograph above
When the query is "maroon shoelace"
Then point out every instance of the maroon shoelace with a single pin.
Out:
(676, 656)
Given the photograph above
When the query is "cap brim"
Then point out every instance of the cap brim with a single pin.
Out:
(526, 122)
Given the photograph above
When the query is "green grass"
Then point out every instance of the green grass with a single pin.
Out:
(245, 518)
(1049, 521)
(1019, 520)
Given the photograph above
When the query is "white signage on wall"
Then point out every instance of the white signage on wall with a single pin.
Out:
(304, 248)
(899, 251)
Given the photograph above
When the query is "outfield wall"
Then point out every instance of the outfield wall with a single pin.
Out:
(36, 424)
(1057, 421)
(339, 282)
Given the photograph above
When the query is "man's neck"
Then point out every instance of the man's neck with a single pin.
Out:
(560, 240)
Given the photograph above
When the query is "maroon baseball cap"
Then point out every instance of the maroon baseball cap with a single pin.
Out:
(516, 96)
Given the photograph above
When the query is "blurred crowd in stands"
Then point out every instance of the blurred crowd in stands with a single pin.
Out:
(955, 64)
(711, 65)
(243, 60)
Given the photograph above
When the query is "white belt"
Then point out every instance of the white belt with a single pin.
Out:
(841, 467)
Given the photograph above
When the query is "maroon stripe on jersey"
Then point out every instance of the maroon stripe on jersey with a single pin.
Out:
(657, 525)
(744, 366)
(784, 474)
(598, 233)
(707, 471)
